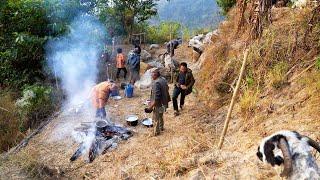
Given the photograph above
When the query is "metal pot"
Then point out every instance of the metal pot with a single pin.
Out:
(132, 120)
(147, 122)
(101, 125)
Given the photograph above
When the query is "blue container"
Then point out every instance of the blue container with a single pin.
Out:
(128, 91)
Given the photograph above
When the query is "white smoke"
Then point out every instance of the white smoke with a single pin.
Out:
(74, 56)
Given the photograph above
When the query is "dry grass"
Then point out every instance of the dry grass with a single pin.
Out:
(277, 75)
(9, 122)
(248, 103)
(312, 84)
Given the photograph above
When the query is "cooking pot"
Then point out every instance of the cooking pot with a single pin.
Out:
(132, 120)
(101, 125)
(147, 122)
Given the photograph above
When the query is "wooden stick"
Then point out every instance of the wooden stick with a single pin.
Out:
(4, 109)
(305, 70)
(235, 92)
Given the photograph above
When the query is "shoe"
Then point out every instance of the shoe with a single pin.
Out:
(181, 107)
(176, 113)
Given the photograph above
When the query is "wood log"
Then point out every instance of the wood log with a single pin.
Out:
(235, 93)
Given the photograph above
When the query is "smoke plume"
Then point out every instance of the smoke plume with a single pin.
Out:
(74, 56)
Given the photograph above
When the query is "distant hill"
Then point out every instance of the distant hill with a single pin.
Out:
(190, 13)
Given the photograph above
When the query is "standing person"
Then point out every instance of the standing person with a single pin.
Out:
(134, 64)
(183, 85)
(172, 45)
(100, 95)
(159, 101)
(121, 64)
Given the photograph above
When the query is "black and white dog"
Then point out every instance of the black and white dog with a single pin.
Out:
(293, 151)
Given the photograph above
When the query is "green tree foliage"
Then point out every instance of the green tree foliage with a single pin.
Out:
(23, 34)
(26, 25)
(122, 15)
(163, 32)
(226, 5)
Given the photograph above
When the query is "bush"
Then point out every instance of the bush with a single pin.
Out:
(248, 103)
(34, 106)
(276, 76)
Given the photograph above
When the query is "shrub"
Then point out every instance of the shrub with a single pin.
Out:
(248, 103)
(34, 105)
(276, 76)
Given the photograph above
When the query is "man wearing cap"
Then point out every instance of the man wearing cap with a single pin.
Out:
(159, 101)
(100, 95)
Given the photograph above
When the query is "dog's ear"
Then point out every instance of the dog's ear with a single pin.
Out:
(268, 152)
(259, 154)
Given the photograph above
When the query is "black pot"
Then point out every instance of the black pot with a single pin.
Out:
(101, 125)
(132, 123)
(132, 120)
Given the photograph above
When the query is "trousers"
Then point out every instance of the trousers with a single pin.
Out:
(119, 71)
(158, 120)
(176, 92)
(101, 113)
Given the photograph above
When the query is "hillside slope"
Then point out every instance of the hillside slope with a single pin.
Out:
(274, 96)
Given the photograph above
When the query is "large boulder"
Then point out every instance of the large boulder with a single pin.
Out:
(145, 56)
(154, 46)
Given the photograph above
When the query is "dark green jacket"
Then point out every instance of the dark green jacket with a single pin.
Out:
(189, 80)
(160, 92)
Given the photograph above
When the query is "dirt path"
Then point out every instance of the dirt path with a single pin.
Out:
(140, 157)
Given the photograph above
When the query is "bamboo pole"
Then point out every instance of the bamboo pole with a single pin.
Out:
(305, 70)
(235, 92)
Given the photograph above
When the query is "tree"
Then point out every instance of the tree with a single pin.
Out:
(126, 13)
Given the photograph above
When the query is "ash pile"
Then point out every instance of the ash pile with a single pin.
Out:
(97, 138)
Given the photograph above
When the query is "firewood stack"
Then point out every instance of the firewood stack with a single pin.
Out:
(101, 141)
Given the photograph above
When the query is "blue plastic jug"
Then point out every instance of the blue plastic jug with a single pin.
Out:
(128, 91)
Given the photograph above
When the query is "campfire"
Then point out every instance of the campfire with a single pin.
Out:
(99, 136)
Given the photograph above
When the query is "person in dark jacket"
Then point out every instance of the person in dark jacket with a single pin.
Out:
(159, 101)
(172, 45)
(133, 63)
(183, 85)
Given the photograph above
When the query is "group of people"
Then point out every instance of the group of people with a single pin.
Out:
(133, 63)
(159, 97)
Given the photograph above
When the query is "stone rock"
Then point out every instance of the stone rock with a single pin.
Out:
(154, 46)
(197, 175)
(145, 56)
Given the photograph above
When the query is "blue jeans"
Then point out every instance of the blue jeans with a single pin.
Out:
(176, 92)
(101, 113)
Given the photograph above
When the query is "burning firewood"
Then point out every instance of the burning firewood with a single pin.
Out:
(102, 141)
